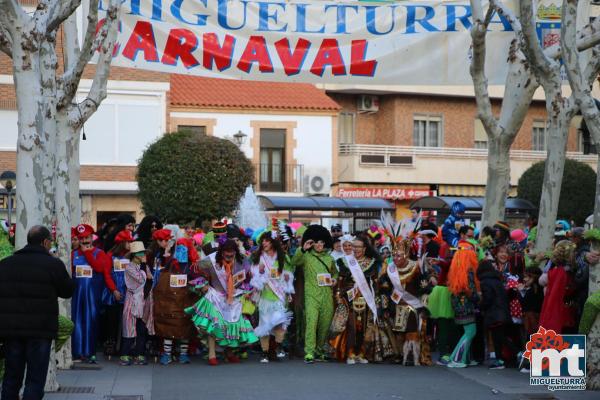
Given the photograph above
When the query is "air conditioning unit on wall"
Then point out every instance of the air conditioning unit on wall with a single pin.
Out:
(368, 103)
(317, 184)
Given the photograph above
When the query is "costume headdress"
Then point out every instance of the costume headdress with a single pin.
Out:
(463, 262)
(391, 229)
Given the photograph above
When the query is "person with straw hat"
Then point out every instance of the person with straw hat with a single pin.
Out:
(138, 321)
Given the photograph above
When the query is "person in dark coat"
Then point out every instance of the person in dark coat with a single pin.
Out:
(494, 306)
(31, 281)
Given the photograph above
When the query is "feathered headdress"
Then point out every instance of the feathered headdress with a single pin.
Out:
(391, 229)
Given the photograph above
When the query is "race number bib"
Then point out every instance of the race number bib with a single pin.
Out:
(83, 271)
(396, 296)
(324, 280)
(178, 281)
(274, 273)
(239, 277)
(119, 264)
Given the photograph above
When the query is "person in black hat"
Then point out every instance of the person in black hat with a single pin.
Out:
(336, 231)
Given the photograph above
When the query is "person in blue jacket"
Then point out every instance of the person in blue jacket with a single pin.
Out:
(453, 223)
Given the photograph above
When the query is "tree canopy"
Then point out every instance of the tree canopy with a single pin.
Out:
(577, 192)
(185, 177)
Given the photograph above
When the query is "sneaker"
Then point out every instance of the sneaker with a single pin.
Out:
(524, 370)
(184, 359)
(498, 364)
(351, 361)
(309, 359)
(165, 359)
(125, 361)
(92, 360)
(454, 364)
(279, 353)
(264, 358)
(244, 355)
(444, 360)
(473, 363)
(140, 360)
(362, 360)
(322, 358)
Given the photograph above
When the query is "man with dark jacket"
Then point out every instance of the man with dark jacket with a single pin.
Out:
(31, 281)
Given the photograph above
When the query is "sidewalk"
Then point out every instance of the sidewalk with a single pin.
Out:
(295, 380)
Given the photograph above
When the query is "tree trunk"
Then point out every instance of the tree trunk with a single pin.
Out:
(558, 132)
(498, 180)
(593, 338)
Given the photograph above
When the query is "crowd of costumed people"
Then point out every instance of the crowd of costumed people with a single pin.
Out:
(396, 292)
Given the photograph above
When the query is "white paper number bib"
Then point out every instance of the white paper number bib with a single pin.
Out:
(178, 281)
(83, 271)
(324, 280)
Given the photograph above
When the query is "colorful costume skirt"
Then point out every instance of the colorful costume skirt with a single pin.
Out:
(209, 320)
(439, 303)
(271, 314)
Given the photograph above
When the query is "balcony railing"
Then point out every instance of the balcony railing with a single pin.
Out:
(279, 178)
(368, 149)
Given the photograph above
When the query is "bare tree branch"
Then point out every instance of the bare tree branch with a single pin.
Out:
(581, 89)
(477, 69)
(5, 41)
(530, 44)
(70, 42)
(81, 112)
(91, 42)
(59, 11)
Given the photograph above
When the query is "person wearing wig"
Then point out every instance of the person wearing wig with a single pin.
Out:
(146, 228)
(355, 288)
(319, 277)
(556, 314)
(218, 313)
(464, 288)
(91, 271)
(273, 282)
(113, 309)
(171, 296)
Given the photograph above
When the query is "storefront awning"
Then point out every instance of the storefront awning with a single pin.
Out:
(444, 203)
(321, 203)
(468, 190)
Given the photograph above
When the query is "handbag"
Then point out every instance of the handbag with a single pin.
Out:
(340, 319)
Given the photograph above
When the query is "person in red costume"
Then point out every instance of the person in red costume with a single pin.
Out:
(91, 272)
(556, 313)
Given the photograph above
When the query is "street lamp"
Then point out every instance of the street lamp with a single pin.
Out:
(9, 180)
(239, 138)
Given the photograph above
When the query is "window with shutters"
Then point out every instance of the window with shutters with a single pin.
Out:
(427, 131)
(539, 135)
(346, 127)
(481, 139)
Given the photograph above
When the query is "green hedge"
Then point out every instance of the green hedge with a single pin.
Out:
(577, 192)
(184, 177)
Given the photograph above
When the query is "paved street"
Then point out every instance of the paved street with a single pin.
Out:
(294, 380)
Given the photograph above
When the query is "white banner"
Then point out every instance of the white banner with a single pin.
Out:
(346, 42)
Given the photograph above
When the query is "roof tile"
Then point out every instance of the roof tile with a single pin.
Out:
(194, 91)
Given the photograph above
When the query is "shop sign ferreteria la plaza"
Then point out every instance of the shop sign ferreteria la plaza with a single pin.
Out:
(388, 193)
(345, 42)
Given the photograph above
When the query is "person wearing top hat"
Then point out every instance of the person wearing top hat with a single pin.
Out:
(218, 229)
(320, 274)
(91, 271)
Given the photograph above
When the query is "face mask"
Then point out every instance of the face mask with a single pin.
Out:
(181, 253)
